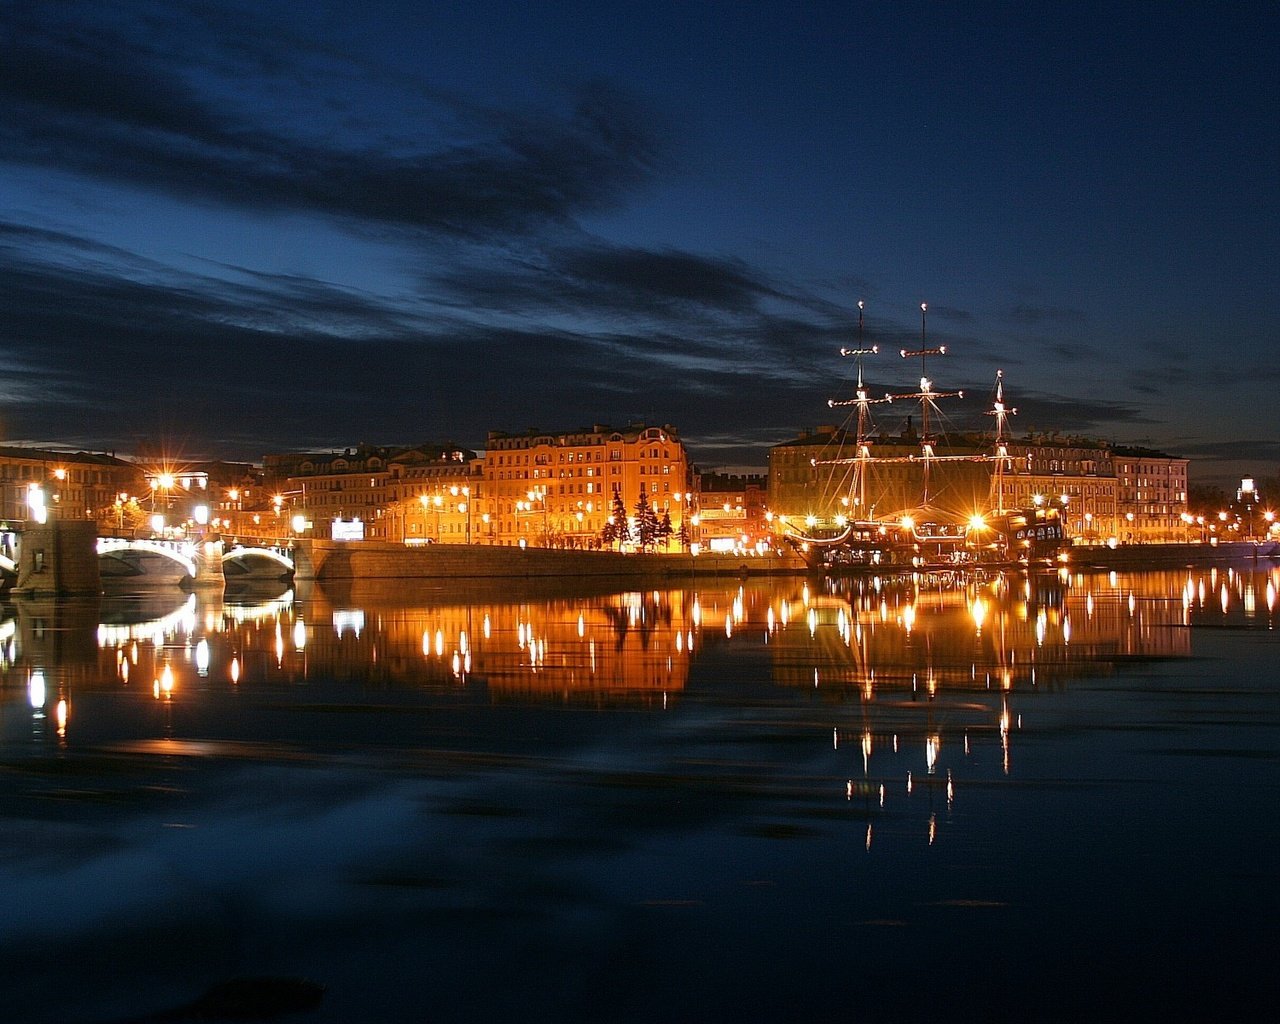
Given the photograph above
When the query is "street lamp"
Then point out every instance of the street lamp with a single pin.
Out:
(1247, 495)
(536, 496)
(36, 503)
(464, 505)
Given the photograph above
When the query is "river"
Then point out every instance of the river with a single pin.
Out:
(1031, 798)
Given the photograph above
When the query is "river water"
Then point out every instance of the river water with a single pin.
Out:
(897, 799)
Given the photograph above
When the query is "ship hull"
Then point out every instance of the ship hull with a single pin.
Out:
(1017, 539)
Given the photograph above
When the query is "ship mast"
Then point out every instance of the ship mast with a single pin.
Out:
(863, 401)
(926, 396)
(1002, 413)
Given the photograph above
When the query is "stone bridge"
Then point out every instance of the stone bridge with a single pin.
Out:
(64, 558)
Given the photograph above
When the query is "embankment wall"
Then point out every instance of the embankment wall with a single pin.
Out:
(1175, 556)
(326, 560)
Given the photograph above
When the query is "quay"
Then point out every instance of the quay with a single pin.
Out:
(69, 558)
(1125, 557)
(329, 560)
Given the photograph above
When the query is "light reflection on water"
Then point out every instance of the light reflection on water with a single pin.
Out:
(955, 718)
(926, 631)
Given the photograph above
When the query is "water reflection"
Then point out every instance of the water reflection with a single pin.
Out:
(960, 647)
(882, 778)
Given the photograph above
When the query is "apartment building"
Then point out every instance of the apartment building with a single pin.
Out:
(557, 489)
(1151, 495)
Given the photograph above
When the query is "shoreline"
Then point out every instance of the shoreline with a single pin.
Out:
(1173, 556)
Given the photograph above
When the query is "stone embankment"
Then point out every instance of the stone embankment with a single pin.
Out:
(327, 560)
(1239, 554)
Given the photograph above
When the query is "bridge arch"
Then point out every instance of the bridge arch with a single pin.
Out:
(181, 553)
(243, 554)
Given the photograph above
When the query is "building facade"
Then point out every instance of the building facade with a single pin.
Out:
(732, 513)
(424, 494)
(811, 479)
(1151, 496)
(1075, 474)
(79, 485)
(557, 489)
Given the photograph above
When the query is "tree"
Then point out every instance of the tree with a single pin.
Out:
(124, 517)
(616, 530)
(1207, 499)
(646, 523)
(665, 528)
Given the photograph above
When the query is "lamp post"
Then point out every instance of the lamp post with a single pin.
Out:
(1247, 496)
(689, 518)
(534, 497)
(539, 495)
(464, 505)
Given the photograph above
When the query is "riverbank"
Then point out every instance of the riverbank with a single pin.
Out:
(1175, 556)
(329, 561)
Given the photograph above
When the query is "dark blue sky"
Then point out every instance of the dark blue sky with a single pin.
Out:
(239, 228)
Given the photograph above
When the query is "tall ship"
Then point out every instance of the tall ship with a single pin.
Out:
(915, 501)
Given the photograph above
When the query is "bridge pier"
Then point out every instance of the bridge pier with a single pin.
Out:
(208, 561)
(58, 558)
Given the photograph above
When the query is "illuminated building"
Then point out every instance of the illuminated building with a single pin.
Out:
(557, 489)
(1080, 471)
(80, 485)
(401, 494)
(1151, 495)
(732, 512)
(1047, 468)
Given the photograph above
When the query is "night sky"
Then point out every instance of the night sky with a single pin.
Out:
(231, 229)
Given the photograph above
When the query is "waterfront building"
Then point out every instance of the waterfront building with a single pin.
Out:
(435, 495)
(732, 512)
(1151, 495)
(557, 488)
(811, 477)
(72, 485)
(807, 479)
(324, 487)
(420, 494)
(1076, 474)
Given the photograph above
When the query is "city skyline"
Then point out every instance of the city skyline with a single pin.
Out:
(232, 231)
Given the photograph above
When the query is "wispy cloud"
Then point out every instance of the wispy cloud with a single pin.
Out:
(102, 105)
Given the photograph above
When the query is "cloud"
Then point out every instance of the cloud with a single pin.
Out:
(112, 355)
(107, 107)
(1264, 452)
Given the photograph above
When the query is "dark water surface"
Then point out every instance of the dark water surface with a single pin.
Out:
(1046, 799)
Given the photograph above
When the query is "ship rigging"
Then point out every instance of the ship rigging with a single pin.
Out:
(921, 533)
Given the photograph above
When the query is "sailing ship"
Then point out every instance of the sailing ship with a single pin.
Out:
(924, 533)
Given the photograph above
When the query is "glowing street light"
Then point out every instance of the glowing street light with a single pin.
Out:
(36, 503)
